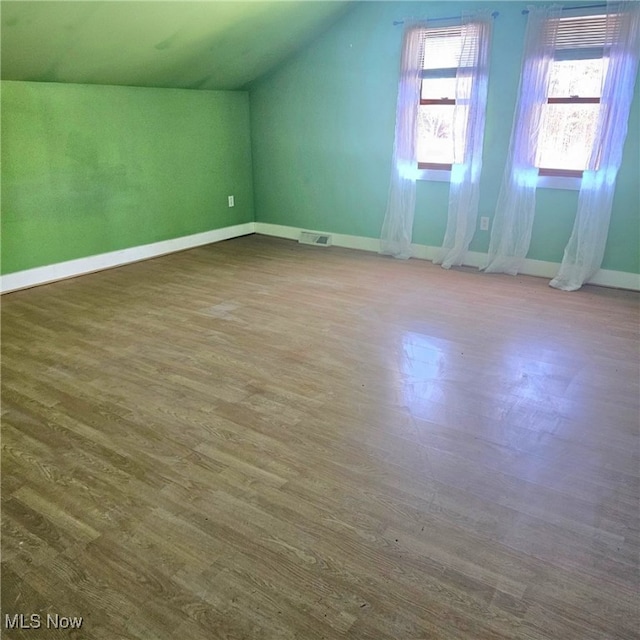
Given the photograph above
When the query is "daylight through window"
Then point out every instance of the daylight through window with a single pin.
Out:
(440, 135)
(570, 115)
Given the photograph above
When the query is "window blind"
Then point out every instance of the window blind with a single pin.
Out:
(583, 32)
(450, 47)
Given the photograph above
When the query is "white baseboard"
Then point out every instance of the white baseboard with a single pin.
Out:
(71, 268)
(616, 279)
(540, 268)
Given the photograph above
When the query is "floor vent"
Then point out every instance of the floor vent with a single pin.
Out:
(321, 239)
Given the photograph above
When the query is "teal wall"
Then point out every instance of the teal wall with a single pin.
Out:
(88, 169)
(322, 136)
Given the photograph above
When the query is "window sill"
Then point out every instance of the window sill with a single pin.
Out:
(559, 182)
(544, 182)
(434, 175)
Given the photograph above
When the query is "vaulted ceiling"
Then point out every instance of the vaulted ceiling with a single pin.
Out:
(182, 44)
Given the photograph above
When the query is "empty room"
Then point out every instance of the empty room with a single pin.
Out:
(320, 320)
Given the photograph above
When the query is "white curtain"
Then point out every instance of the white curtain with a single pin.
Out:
(468, 123)
(513, 221)
(397, 227)
(585, 250)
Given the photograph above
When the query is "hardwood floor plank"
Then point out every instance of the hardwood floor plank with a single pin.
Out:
(260, 440)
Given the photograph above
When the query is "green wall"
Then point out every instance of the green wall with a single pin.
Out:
(88, 169)
(322, 136)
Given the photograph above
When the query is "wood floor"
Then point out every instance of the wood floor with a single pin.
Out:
(264, 440)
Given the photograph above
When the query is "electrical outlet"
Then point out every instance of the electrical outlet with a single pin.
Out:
(484, 223)
(232, 201)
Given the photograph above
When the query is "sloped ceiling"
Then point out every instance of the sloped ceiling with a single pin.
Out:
(190, 45)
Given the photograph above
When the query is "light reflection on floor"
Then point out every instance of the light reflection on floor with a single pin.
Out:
(444, 381)
(498, 410)
(423, 369)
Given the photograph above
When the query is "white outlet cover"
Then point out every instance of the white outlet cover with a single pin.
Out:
(231, 201)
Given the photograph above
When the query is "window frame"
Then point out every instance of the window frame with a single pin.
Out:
(555, 171)
(434, 74)
(436, 171)
(553, 177)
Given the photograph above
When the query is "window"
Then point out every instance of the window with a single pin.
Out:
(570, 115)
(440, 137)
(436, 93)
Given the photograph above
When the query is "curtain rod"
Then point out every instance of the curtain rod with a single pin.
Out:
(495, 14)
(584, 6)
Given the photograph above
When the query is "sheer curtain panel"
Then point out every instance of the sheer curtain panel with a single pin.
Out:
(585, 250)
(397, 227)
(468, 124)
(513, 221)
